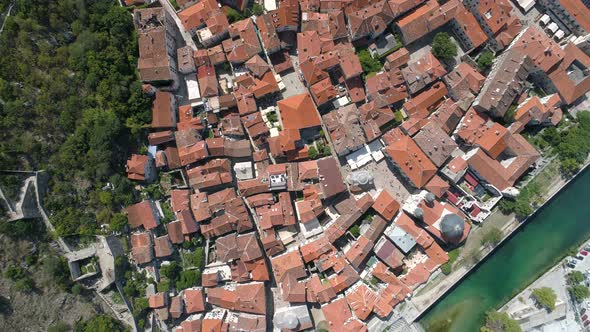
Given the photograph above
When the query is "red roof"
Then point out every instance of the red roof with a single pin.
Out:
(194, 300)
(298, 112)
(142, 214)
(386, 205)
(411, 160)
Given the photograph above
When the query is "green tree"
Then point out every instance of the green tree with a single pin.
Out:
(355, 230)
(257, 9)
(369, 64)
(579, 292)
(443, 47)
(500, 322)
(312, 152)
(492, 236)
(118, 222)
(551, 136)
(575, 277)
(522, 208)
(102, 323)
(163, 285)
(57, 268)
(140, 305)
(170, 271)
(545, 297)
(233, 15)
(485, 60)
(188, 278)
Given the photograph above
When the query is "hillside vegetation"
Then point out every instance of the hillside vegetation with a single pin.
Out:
(70, 103)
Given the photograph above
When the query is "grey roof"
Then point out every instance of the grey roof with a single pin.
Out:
(401, 238)
(452, 226)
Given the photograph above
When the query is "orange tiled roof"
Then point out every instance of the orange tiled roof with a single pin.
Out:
(362, 301)
(298, 112)
(386, 205)
(411, 160)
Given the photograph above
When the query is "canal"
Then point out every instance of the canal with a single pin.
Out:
(538, 245)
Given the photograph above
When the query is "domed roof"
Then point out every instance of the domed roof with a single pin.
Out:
(429, 198)
(452, 226)
(286, 320)
(419, 213)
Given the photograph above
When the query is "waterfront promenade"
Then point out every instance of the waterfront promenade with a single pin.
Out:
(432, 293)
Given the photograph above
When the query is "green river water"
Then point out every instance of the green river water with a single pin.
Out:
(538, 245)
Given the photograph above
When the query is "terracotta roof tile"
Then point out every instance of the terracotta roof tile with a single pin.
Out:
(411, 160)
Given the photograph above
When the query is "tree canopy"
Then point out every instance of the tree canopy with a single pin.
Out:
(443, 47)
(100, 323)
(485, 60)
(579, 292)
(500, 322)
(575, 277)
(70, 103)
(369, 64)
(545, 297)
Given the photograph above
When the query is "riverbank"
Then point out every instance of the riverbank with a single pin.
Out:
(561, 222)
(473, 252)
(525, 311)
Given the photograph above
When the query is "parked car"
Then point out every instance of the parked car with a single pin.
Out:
(587, 247)
(579, 257)
(571, 262)
(583, 253)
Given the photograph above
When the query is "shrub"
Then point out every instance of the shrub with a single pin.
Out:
(545, 297)
(59, 327)
(15, 273)
(77, 289)
(25, 285)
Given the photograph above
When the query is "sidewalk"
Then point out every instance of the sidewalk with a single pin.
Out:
(418, 304)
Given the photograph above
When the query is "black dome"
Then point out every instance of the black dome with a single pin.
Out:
(452, 226)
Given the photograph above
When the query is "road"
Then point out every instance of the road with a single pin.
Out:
(188, 39)
(7, 14)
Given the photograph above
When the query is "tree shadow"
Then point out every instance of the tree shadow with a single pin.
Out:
(5, 308)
